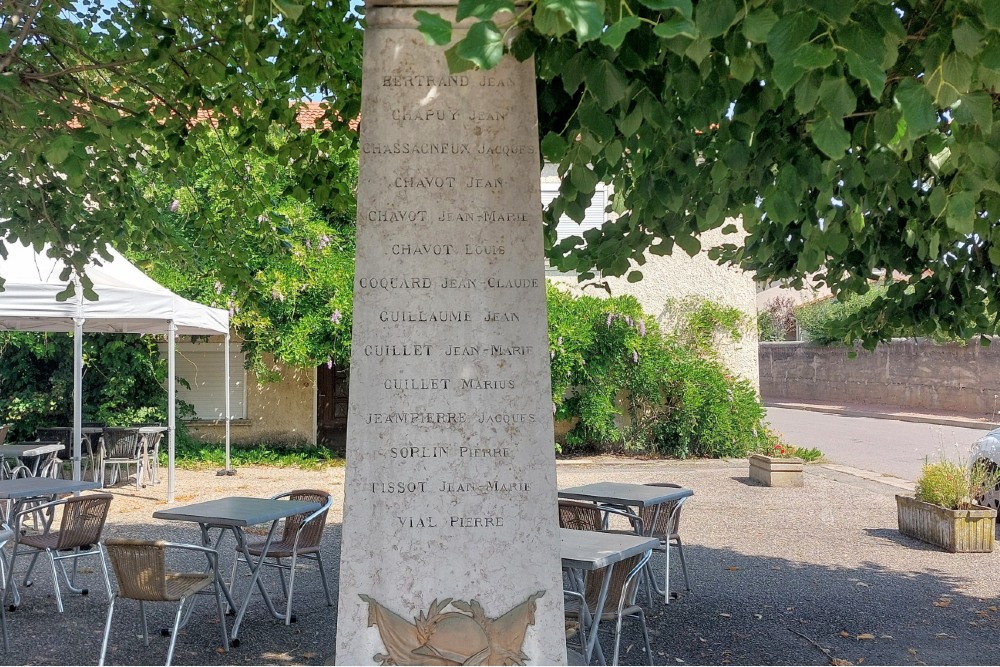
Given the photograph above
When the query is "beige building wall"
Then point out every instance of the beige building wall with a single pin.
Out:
(277, 412)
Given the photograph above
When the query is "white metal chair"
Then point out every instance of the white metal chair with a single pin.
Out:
(300, 539)
(6, 534)
(142, 574)
(78, 536)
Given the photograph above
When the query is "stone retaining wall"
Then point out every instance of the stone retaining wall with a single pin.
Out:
(904, 373)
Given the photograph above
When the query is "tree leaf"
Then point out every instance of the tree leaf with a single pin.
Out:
(867, 71)
(967, 38)
(457, 63)
(789, 33)
(758, 24)
(812, 56)
(288, 9)
(683, 6)
(550, 22)
(961, 212)
(917, 107)
(713, 17)
(836, 96)
(482, 9)
(830, 137)
(596, 121)
(837, 11)
(616, 32)
(59, 149)
(553, 147)
(742, 68)
(482, 45)
(676, 26)
(436, 30)
(606, 83)
(975, 108)
(586, 16)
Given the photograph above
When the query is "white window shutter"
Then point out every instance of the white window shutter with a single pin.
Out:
(202, 365)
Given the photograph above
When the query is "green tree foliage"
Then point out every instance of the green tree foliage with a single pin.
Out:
(122, 381)
(854, 137)
(827, 322)
(626, 387)
(297, 303)
(96, 96)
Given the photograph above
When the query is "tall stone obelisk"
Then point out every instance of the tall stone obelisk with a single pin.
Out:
(450, 540)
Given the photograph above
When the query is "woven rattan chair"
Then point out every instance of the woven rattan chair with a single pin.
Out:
(620, 602)
(300, 539)
(121, 448)
(142, 574)
(577, 515)
(663, 522)
(78, 536)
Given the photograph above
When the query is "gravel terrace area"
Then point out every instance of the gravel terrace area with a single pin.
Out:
(813, 575)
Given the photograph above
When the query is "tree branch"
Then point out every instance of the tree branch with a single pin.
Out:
(23, 35)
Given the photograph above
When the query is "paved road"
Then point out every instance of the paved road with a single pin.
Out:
(881, 445)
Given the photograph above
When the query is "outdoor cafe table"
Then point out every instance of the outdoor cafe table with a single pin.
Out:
(24, 489)
(588, 551)
(235, 514)
(625, 495)
(30, 449)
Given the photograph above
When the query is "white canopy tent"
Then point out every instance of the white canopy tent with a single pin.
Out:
(129, 301)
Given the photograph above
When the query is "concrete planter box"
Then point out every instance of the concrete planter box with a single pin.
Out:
(958, 531)
(771, 471)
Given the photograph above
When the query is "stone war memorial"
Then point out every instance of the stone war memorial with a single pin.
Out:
(450, 540)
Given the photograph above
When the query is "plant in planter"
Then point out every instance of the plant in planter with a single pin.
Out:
(782, 464)
(943, 510)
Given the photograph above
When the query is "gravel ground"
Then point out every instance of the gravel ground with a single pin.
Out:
(813, 575)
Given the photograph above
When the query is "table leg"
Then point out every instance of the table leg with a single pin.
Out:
(254, 576)
(206, 541)
(598, 612)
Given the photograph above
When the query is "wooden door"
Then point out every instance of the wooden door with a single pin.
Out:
(331, 407)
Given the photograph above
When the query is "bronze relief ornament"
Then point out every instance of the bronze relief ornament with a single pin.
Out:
(463, 637)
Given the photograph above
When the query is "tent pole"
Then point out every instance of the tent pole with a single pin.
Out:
(171, 405)
(229, 412)
(78, 397)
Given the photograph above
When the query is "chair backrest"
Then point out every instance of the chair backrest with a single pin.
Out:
(140, 568)
(623, 585)
(663, 520)
(3, 432)
(578, 515)
(121, 443)
(153, 442)
(83, 520)
(63, 434)
(312, 533)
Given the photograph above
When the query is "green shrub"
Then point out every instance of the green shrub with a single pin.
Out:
(633, 389)
(953, 485)
(122, 385)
